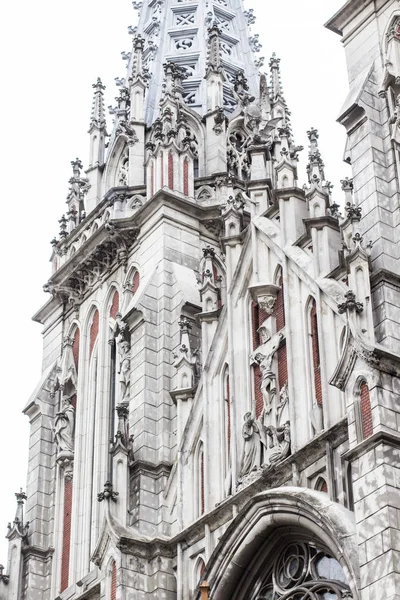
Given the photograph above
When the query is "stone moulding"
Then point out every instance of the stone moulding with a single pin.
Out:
(108, 246)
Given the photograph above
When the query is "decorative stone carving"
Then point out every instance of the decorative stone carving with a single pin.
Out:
(108, 494)
(265, 294)
(251, 455)
(265, 358)
(124, 368)
(350, 304)
(64, 428)
(123, 170)
(271, 431)
(185, 360)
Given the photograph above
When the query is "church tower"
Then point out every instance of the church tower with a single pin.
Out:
(217, 415)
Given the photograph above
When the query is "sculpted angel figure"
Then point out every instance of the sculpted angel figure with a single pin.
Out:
(124, 370)
(65, 427)
(251, 456)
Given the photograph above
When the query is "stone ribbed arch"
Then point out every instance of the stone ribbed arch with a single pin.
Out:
(294, 510)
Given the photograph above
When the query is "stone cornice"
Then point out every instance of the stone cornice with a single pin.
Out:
(288, 193)
(380, 437)
(344, 15)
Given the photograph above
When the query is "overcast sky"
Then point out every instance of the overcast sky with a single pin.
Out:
(52, 53)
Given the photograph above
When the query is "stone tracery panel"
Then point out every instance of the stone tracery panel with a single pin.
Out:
(303, 571)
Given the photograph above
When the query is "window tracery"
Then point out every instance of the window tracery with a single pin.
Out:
(303, 571)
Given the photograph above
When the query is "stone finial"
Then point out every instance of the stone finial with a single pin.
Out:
(108, 494)
(250, 16)
(254, 42)
(97, 118)
(350, 304)
(63, 227)
(19, 528)
(315, 166)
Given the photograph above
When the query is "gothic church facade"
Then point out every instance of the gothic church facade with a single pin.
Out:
(219, 408)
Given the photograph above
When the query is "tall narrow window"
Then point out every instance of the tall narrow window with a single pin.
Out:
(170, 171)
(316, 362)
(94, 331)
(366, 412)
(135, 282)
(162, 168)
(186, 177)
(152, 182)
(66, 539)
(114, 308)
(114, 582)
(201, 480)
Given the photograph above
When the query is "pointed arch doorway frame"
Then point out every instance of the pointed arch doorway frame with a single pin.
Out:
(268, 525)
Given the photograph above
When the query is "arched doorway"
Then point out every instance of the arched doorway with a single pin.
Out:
(287, 544)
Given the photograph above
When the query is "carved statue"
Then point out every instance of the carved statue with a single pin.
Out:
(395, 122)
(65, 427)
(275, 431)
(251, 456)
(265, 357)
(124, 371)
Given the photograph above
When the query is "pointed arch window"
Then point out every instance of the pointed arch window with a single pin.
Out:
(315, 353)
(171, 171)
(227, 419)
(94, 331)
(365, 410)
(200, 480)
(135, 282)
(186, 177)
(113, 594)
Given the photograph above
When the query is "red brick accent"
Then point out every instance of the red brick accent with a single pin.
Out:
(135, 282)
(162, 168)
(75, 348)
(366, 412)
(186, 177)
(66, 540)
(202, 491)
(170, 171)
(94, 331)
(279, 311)
(202, 568)
(282, 366)
(114, 308)
(322, 486)
(315, 353)
(114, 582)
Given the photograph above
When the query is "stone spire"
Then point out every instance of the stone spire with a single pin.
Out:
(177, 36)
(278, 101)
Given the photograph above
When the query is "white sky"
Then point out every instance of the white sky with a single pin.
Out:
(52, 53)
